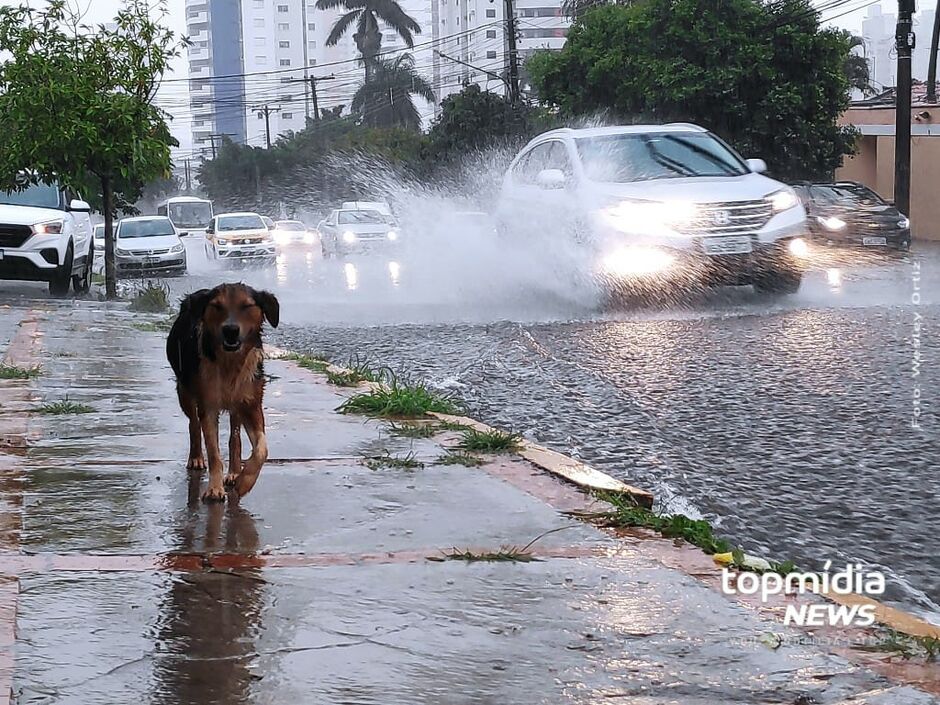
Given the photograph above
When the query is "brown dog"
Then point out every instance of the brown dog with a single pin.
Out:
(214, 348)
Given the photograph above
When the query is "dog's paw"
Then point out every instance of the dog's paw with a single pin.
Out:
(230, 479)
(197, 463)
(213, 494)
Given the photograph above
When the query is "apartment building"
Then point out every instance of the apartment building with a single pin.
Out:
(474, 32)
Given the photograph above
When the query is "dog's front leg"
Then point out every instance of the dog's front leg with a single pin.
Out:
(234, 450)
(215, 492)
(253, 419)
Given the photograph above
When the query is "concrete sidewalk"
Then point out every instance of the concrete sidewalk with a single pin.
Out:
(326, 584)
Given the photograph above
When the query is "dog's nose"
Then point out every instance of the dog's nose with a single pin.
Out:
(230, 333)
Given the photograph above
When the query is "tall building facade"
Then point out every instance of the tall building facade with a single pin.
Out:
(878, 29)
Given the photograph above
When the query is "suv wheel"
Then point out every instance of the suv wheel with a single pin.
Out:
(82, 282)
(779, 281)
(62, 277)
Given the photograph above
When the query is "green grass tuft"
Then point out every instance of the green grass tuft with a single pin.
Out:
(161, 326)
(466, 459)
(510, 554)
(13, 372)
(414, 430)
(399, 400)
(151, 298)
(452, 426)
(492, 441)
(907, 646)
(316, 363)
(59, 408)
(401, 462)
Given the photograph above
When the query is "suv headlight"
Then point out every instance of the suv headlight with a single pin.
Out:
(51, 227)
(904, 222)
(831, 223)
(221, 241)
(121, 253)
(392, 235)
(783, 200)
(176, 249)
(349, 237)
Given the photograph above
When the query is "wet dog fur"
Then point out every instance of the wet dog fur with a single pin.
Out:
(215, 350)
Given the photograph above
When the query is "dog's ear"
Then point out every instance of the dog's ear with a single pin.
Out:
(196, 303)
(269, 306)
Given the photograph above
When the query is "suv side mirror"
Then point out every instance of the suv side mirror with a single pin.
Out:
(758, 166)
(551, 179)
(78, 206)
(210, 228)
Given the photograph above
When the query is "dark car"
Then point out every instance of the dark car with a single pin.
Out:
(850, 214)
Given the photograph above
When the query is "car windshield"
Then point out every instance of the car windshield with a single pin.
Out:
(145, 228)
(241, 222)
(627, 158)
(353, 217)
(291, 225)
(190, 215)
(35, 195)
(846, 195)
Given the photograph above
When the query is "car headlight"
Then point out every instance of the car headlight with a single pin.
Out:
(281, 238)
(51, 227)
(121, 253)
(310, 238)
(831, 223)
(636, 260)
(783, 200)
(221, 241)
(392, 235)
(798, 247)
(904, 222)
(649, 216)
(176, 249)
(349, 237)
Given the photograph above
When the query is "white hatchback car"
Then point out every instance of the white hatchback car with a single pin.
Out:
(148, 245)
(650, 204)
(240, 237)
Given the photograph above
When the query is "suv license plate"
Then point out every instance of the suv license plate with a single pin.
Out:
(727, 245)
(874, 241)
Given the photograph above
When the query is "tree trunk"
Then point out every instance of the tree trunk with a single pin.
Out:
(110, 266)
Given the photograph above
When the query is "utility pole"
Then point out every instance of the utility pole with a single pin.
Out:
(932, 64)
(186, 176)
(213, 136)
(266, 110)
(904, 38)
(513, 54)
(312, 80)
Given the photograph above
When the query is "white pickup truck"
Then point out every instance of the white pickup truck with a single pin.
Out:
(46, 235)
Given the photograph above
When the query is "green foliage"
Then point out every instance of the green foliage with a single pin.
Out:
(151, 298)
(76, 103)
(506, 554)
(400, 462)
(399, 399)
(13, 372)
(491, 441)
(764, 76)
(465, 459)
(385, 99)
(314, 363)
(413, 430)
(64, 407)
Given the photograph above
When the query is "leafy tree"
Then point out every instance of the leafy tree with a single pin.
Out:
(384, 100)
(366, 14)
(763, 76)
(77, 104)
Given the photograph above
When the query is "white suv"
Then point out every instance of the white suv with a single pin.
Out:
(645, 205)
(46, 235)
(240, 237)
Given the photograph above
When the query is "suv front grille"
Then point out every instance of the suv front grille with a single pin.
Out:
(732, 218)
(14, 235)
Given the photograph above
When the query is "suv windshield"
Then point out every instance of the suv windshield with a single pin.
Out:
(145, 228)
(36, 195)
(665, 155)
(241, 222)
(350, 217)
(291, 225)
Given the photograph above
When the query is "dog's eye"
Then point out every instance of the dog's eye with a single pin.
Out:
(245, 307)
(217, 306)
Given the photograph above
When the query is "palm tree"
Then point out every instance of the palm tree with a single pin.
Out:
(856, 65)
(385, 99)
(367, 14)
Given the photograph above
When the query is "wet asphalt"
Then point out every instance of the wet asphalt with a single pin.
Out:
(804, 427)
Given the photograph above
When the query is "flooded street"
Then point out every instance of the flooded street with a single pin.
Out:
(787, 422)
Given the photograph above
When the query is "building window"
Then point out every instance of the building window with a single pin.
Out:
(283, 8)
(491, 13)
(285, 62)
(312, 26)
(491, 34)
(491, 55)
(288, 116)
(259, 4)
(313, 45)
(259, 23)
(259, 41)
(261, 60)
(284, 44)
(313, 62)
(284, 26)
